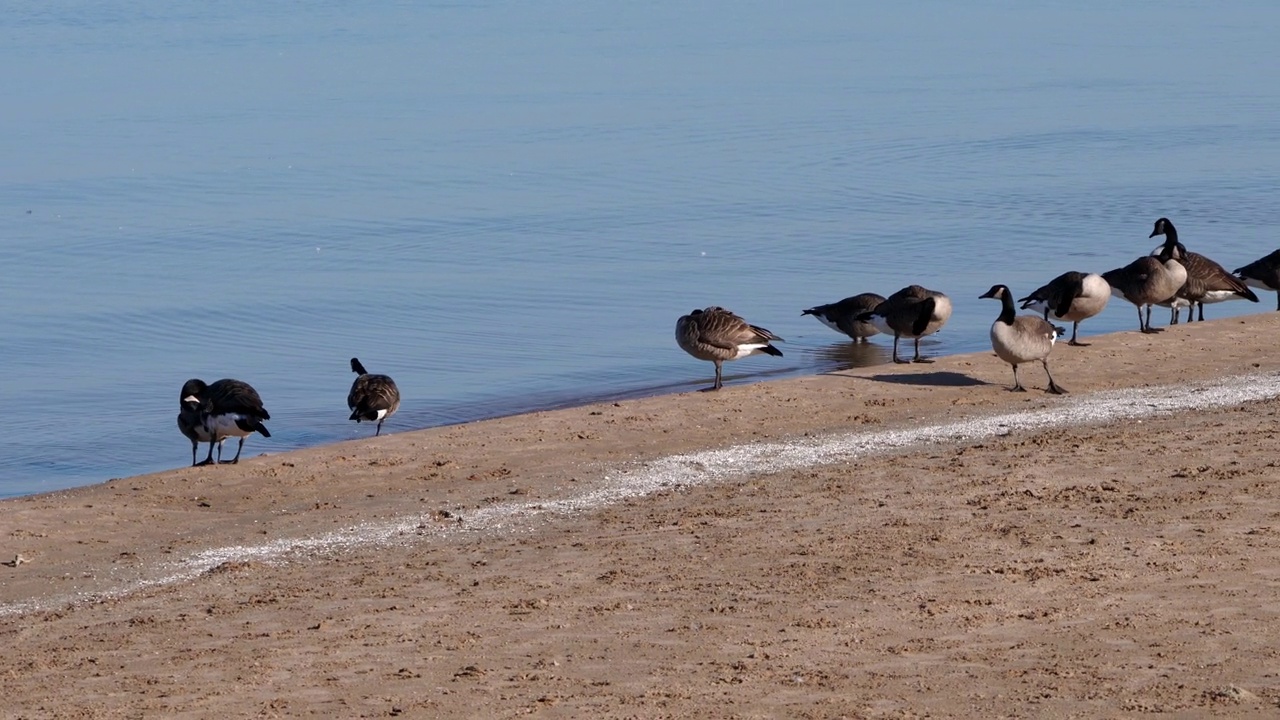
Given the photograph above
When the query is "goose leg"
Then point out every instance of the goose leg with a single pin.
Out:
(917, 358)
(718, 383)
(193, 452)
(378, 432)
(895, 351)
(1173, 319)
(1053, 386)
(1017, 384)
(1075, 328)
(209, 460)
(1200, 306)
(235, 459)
(1148, 328)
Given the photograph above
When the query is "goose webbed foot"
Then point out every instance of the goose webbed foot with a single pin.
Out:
(923, 360)
(1078, 344)
(1055, 389)
(1151, 330)
(202, 463)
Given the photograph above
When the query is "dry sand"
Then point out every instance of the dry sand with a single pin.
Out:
(886, 542)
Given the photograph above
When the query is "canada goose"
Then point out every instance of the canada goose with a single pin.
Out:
(1149, 280)
(228, 408)
(911, 312)
(1207, 281)
(842, 316)
(190, 419)
(1072, 296)
(1021, 339)
(1264, 274)
(372, 397)
(717, 335)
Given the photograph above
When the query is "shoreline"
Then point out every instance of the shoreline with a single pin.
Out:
(365, 511)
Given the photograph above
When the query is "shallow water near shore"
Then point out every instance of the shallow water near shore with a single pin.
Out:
(506, 208)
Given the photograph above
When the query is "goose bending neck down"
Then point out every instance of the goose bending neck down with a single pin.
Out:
(1022, 339)
(1072, 296)
(912, 312)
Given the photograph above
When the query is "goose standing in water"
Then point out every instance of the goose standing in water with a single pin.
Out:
(372, 397)
(912, 312)
(843, 316)
(1207, 281)
(1022, 339)
(716, 335)
(1072, 297)
(1264, 274)
(1149, 280)
(227, 408)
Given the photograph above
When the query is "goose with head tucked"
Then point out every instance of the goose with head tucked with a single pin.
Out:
(912, 312)
(1022, 339)
(843, 316)
(1072, 297)
(1149, 280)
(1207, 281)
(717, 335)
(1264, 274)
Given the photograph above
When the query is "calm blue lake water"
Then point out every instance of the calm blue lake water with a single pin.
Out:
(505, 206)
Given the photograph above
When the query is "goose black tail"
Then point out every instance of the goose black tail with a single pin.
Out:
(771, 350)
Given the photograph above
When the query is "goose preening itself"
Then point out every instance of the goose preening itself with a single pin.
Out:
(912, 312)
(372, 397)
(1207, 281)
(1022, 339)
(1071, 297)
(227, 408)
(1149, 280)
(716, 335)
(843, 316)
(1264, 274)
(190, 418)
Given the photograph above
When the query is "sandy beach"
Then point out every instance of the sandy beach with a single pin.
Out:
(895, 541)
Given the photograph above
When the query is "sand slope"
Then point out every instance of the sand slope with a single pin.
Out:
(564, 564)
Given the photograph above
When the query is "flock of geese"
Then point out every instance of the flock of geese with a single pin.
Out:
(1171, 276)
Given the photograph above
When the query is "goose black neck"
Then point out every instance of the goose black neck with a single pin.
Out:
(1007, 313)
(1170, 242)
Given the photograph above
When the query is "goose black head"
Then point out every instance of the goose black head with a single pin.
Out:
(996, 291)
(1163, 227)
(193, 392)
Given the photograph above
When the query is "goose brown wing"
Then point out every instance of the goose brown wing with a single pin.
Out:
(1215, 277)
(371, 393)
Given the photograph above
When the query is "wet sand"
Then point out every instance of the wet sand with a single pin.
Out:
(894, 541)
